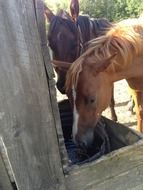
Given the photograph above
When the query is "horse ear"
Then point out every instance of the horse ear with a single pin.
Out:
(64, 14)
(61, 65)
(105, 63)
(74, 9)
(49, 14)
(102, 65)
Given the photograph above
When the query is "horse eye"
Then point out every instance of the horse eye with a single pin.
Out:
(91, 100)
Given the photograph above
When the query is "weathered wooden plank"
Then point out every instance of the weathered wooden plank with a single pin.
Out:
(130, 180)
(39, 10)
(121, 169)
(49, 69)
(4, 178)
(26, 118)
(4, 156)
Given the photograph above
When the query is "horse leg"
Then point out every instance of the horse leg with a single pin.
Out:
(112, 105)
(138, 99)
(139, 111)
(131, 105)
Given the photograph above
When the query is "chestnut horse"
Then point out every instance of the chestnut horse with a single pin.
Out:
(114, 56)
(67, 37)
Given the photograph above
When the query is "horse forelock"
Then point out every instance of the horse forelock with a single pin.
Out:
(73, 74)
(75, 70)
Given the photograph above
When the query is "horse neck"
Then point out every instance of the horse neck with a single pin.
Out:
(84, 25)
(116, 75)
(118, 71)
(99, 27)
(92, 28)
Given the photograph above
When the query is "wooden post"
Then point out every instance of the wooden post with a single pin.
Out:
(26, 118)
(4, 178)
(39, 8)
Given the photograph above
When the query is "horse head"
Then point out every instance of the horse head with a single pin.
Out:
(68, 35)
(90, 93)
(63, 38)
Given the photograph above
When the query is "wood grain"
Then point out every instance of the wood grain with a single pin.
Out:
(4, 178)
(121, 169)
(51, 82)
(26, 117)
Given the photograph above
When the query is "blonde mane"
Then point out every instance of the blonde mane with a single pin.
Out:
(125, 38)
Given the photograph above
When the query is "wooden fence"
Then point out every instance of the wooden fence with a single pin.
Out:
(32, 150)
(27, 123)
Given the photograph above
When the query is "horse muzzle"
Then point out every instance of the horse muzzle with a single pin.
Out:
(85, 140)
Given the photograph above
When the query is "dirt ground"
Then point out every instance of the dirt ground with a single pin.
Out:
(121, 96)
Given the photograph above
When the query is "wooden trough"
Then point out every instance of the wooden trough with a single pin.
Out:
(119, 169)
(33, 155)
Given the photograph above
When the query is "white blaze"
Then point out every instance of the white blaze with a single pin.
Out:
(75, 115)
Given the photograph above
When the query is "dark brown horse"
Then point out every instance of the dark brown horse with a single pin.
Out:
(68, 36)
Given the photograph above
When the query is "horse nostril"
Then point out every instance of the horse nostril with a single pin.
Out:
(86, 140)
